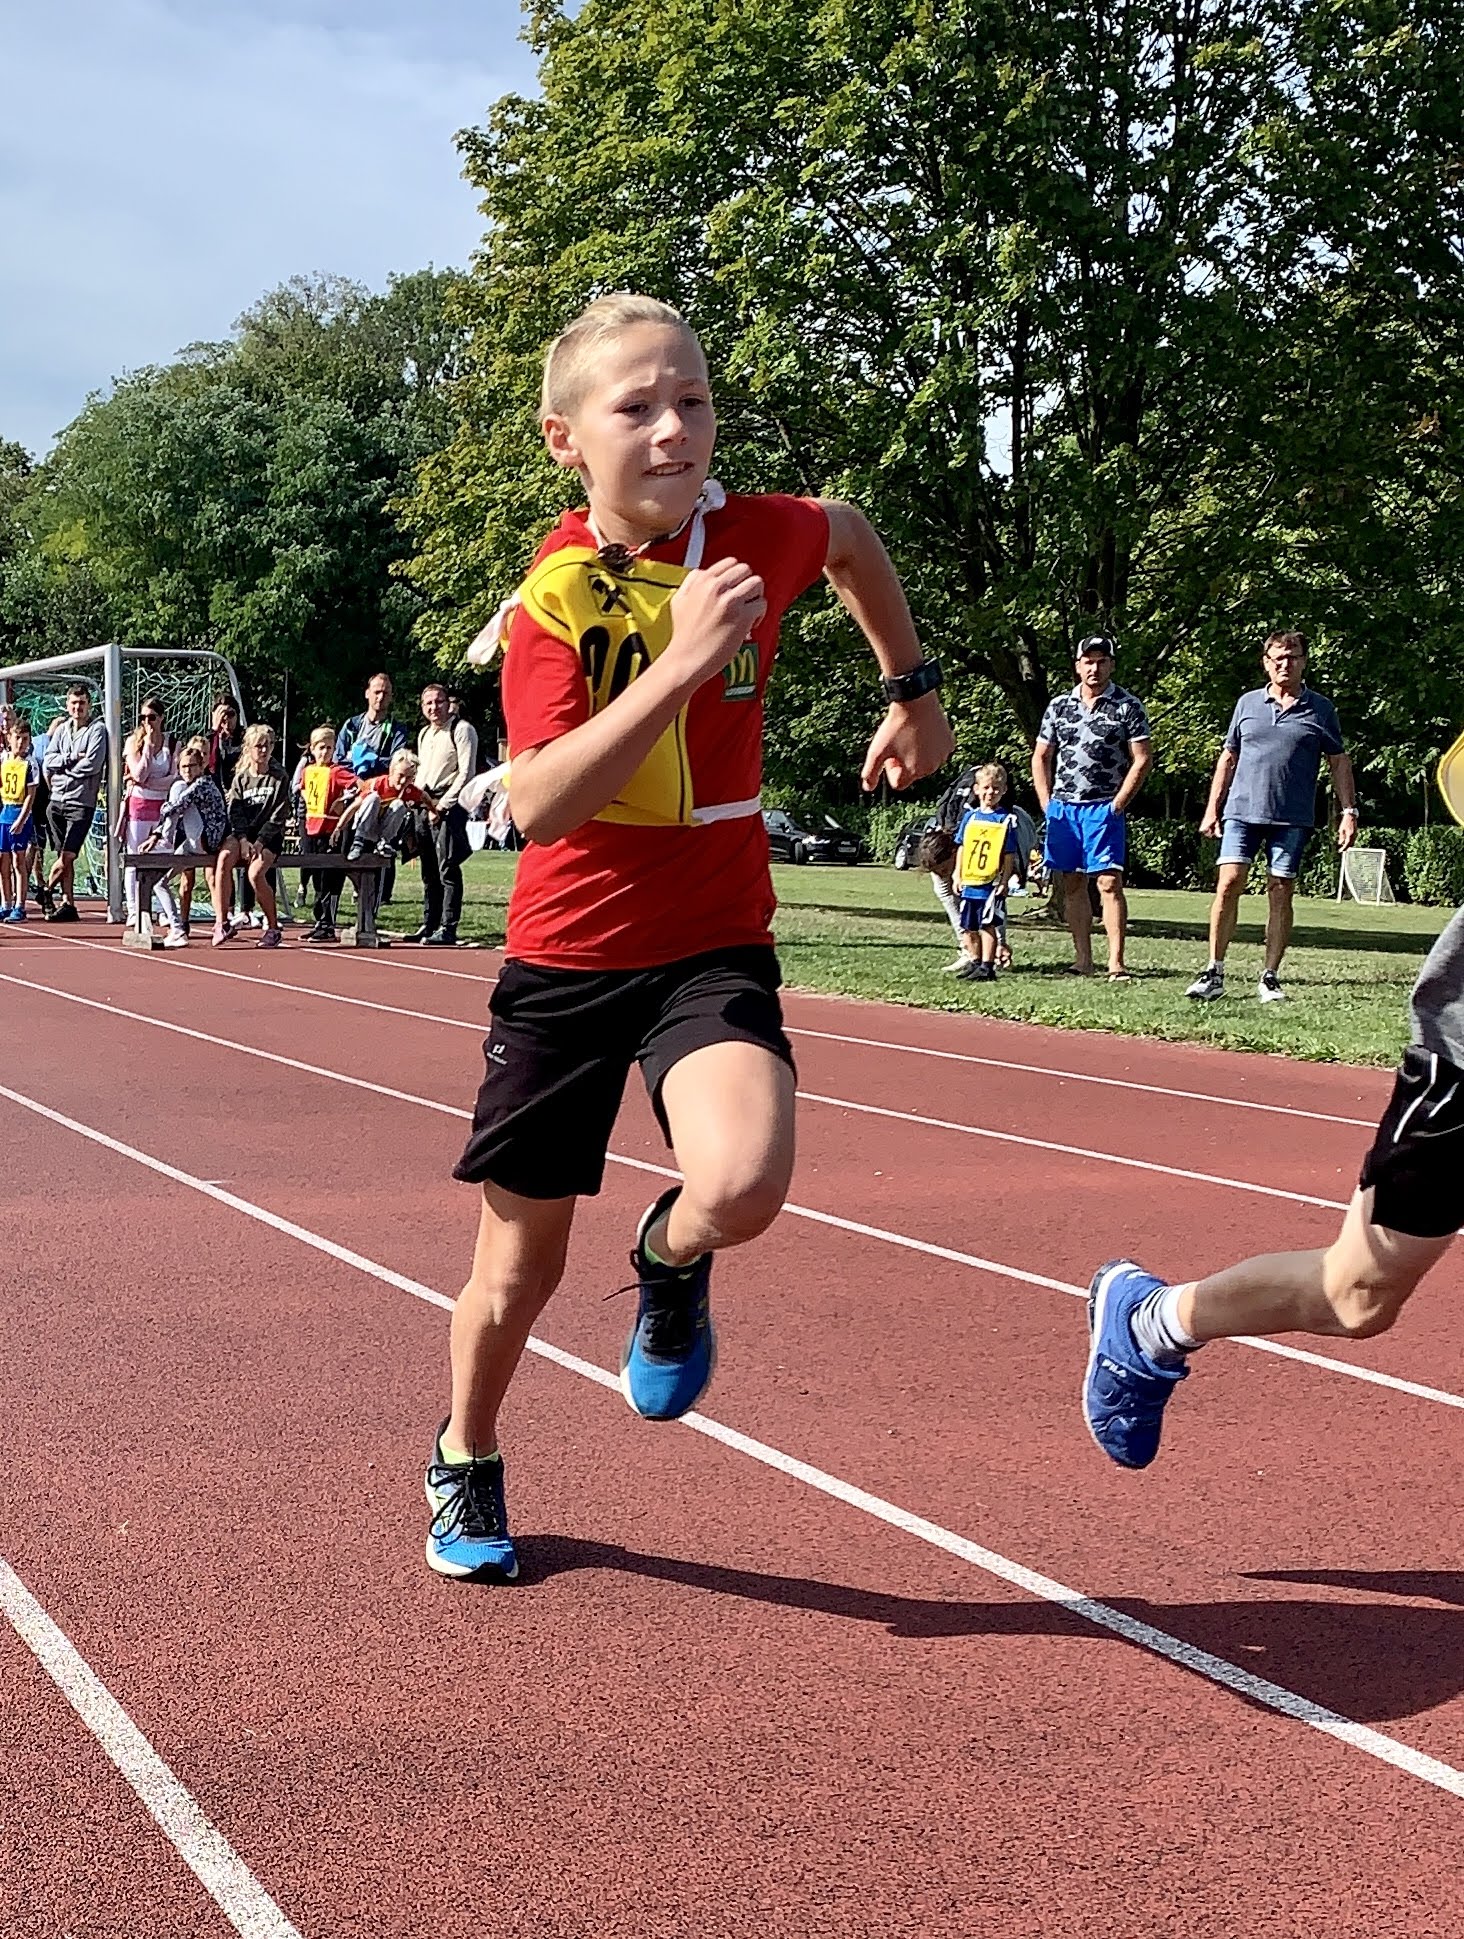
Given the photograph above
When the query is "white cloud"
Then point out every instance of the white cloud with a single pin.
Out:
(160, 169)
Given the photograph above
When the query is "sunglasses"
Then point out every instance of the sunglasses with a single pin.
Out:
(152, 716)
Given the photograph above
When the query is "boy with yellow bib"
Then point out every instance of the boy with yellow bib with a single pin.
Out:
(635, 664)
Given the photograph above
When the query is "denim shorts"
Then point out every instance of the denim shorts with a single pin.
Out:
(1241, 841)
(1085, 838)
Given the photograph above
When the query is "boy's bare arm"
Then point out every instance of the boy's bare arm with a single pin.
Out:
(914, 737)
(557, 787)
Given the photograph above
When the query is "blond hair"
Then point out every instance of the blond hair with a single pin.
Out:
(572, 354)
(993, 771)
(404, 761)
(256, 734)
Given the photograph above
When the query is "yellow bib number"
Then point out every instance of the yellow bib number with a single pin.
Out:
(981, 848)
(315, 786)
(14, 780)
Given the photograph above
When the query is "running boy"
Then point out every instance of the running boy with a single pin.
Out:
(638, 930)
(987, 856)
(1408, 1205)
(20, 776)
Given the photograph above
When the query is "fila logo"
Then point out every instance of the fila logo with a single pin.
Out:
(739, 682)
(497, 1054)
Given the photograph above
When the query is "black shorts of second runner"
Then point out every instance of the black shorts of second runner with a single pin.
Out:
(561, 1046)
(1416, 1165)
(68, 831)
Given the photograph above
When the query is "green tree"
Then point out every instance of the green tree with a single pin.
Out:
(1081, 304)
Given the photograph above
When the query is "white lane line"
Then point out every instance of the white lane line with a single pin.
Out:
(1173, 1649)
(1084, 1077)
(1063, 1075)
(1369, 1375)
(199, 1843)
(1088, 1153)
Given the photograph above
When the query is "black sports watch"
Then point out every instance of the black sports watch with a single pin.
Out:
(910, 686)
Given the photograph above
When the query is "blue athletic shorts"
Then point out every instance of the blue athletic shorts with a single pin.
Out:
(1085, 838)
(980, 909)
(15, 836)
(1242, 841)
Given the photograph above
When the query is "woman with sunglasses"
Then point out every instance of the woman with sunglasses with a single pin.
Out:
(151, 768)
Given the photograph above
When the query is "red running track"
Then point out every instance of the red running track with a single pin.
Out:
(721, 1702)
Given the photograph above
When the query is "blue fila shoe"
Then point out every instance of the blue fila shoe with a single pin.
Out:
(672, 1350)
(469, 1537)
(1124, 1391)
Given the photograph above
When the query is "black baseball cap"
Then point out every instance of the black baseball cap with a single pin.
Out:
(1097, 643)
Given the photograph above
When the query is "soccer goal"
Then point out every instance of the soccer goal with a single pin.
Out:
(1364, 876)
(186, 679)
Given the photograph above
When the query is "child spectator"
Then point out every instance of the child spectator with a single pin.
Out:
(150, 770)
(258, 802)
(987, 855)
(639, 921)
(377, 815)
(194, 821)
(321, 785)
(20, 778)
(937, 856)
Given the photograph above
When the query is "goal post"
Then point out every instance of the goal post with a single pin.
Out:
(188, 695)
(1363, 876)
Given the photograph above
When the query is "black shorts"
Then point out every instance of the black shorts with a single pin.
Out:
(562, 1043)
(1416, 1165)
(68, 831)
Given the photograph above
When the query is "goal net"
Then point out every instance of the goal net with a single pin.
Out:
(1364, 876)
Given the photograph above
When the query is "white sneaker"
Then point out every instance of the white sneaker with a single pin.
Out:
(1269, 989)
(256, 918)
(1208, 985)
(949, 969)
(176, 939)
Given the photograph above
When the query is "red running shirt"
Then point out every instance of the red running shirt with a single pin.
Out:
(641, 884)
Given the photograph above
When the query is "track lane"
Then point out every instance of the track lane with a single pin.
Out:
(1057, 1502)
(859, 1743)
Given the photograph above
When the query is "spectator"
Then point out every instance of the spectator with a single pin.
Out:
(223, 743)
(367, 741)
(378, 814)
(44, 898)
(1097, 736)
(76, 760)
(322, 784)
(937, 856)
(194, 821)
(150, 771)
(258, 802)
(447, 758)
(20, 778)
(1264, 792)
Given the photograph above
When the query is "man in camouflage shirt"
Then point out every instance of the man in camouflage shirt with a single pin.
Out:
(1097, 737)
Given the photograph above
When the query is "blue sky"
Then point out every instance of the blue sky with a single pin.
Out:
(164, 162)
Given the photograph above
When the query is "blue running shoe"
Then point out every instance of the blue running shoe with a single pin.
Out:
(469, 1537)
(670, 1355)
(1124, 1391)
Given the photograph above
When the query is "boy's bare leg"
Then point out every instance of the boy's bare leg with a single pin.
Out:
(1115, 917)
(730, 1108)
(517, 1262)
(1353, 1289)
(1076, 909)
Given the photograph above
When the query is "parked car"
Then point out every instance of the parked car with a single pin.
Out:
(907, 845)
(794, 839)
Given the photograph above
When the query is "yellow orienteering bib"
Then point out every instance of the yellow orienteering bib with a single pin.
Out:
(981, 851)
(618, 625)
(14, 781)
(315, 787)
(1451, 780)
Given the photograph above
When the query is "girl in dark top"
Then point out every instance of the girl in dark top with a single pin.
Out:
(258, 802)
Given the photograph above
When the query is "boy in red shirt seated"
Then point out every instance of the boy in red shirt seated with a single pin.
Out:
(376, 815)
(638, 929)
(322, 785)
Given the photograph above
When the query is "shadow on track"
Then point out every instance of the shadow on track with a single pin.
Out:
(1374, 1662)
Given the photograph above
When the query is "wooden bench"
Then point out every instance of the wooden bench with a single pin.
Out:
(154, 865)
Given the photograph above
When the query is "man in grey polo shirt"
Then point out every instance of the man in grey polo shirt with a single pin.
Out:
(1264, 792)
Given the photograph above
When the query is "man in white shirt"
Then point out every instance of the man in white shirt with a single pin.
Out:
(447, 758)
